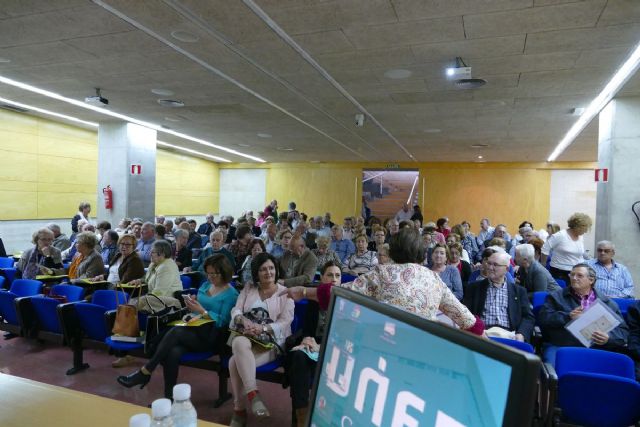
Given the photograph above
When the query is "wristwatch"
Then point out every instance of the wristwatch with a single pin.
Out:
(264, 328)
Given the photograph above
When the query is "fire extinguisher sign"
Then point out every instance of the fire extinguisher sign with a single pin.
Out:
(136, 169)
(602, 175)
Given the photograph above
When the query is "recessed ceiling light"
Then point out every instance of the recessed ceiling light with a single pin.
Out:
(397, 73)
(171, 103)
(432, 130)
(264, 135)
(184, 36)
(480, 157)
(578, 111)
(284, 148)
(162, 92)
(479, 145)
(4, 60)
(243, 145)
(47, 112)
(173, 118)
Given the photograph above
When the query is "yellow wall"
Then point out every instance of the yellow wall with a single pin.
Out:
(505, 192)
(185, 185)
(48, 168)
(317, 189)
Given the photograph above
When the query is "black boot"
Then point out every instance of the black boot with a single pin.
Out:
(134, 379)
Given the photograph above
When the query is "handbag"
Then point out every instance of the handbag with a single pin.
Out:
(126, 323)
(259, 316)
(157, 323)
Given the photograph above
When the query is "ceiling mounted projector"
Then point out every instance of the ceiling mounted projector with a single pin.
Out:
(461, 75)
(98, 100)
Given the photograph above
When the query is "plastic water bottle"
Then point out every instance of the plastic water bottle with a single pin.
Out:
(140, 420)
(182, 411)
(161, 413)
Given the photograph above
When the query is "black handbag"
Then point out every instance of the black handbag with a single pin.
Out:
(157, 325)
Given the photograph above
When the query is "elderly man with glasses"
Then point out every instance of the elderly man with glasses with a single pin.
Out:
(499, 302)
(614, 279)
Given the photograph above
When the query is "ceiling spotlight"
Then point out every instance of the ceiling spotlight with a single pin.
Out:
(172, 103)
(284, 148)
(263, 135)
(184, 36)
(162, 92)
(461, 75)
(578, 111)
(479, 145)
(480, 157)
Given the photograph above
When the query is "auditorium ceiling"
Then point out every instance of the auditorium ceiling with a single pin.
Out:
(284, 79)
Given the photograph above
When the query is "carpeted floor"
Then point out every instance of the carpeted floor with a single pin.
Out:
(48, 363)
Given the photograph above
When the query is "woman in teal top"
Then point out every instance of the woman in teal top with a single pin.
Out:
(215, 300)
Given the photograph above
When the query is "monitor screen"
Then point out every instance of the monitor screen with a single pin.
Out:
(380, 366)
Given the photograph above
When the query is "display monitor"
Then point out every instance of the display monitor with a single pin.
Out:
(382, 366)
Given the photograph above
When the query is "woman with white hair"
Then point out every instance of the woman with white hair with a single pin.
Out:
(42, 254)
(531, 274)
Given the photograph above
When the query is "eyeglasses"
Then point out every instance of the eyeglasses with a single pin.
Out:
(606, 251)
(577, 275)
(494, 265)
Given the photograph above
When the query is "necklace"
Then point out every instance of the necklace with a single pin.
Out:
(266, 293)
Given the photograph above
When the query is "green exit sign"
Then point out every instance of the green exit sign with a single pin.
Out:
(392, 166)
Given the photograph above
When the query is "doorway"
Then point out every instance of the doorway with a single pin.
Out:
(386, 191)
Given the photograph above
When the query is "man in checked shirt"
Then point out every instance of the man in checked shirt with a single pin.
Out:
(499, 302)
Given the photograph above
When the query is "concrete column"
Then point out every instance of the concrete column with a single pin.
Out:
(120, 146)
(619, 151)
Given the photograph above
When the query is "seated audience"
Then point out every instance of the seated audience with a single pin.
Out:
(614, 279)
(264, 296)
(269, 236)
(430, 228)
(482, 270)
(300, 368)
(216, 240)
(284, 239)
(363, 260)
(126, 264)
(145, 241)
(378, 235)
(552, 228)
(324, 254)
(537, 244)
(404, 213)
(404, 283)
(108, 246)
(341, 246)
(42, 254)
(454, 238)
(448, 273)
(318, 227)
(393, 226)
(168, 231)
(463, 267)
(160, 232)
(500, 232)
(240, 247)
(567, 247)
(565, 305)
(207, 227)
(531, 274)
(442, 226)
(162, 277)
(60, 240)
(123, 226)
(468, 242)
(383, 254)
(84, 209)
(298, 263)
(256, 247)
(136, 229)
(500, 303)
(486, 232)
(194, 242)
(102, 228)
(182, 253)
(87, 262)
(214, 302)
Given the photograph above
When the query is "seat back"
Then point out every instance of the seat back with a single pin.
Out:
(579, 359)
(73, 293)
(107, 299)
(6, 262)
(26, 287)
(186, 281)
(538, 301)
(624, 304)
(299, 315)
(561, 283)
(522, 346)
(8, 307)
(91, 320)
(591, 399)
(346, 278)
(2, 282)
(45, 310)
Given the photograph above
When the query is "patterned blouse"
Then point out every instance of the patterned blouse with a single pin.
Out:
(411, 287)
(329, 255)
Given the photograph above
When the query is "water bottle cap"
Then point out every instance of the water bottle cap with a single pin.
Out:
(140, 420)
(181, 391)
(161, 408)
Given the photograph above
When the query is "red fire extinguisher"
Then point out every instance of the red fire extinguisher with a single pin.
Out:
(108, 197)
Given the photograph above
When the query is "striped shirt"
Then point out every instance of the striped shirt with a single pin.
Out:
(496, 306)
(615, 282)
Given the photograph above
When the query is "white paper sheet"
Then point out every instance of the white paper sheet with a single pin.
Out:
(598, 317)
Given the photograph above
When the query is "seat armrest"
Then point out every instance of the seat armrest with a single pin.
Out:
(69, 320)
(110, 319)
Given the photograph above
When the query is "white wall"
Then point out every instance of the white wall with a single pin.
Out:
(241, 190)
(573, 191)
